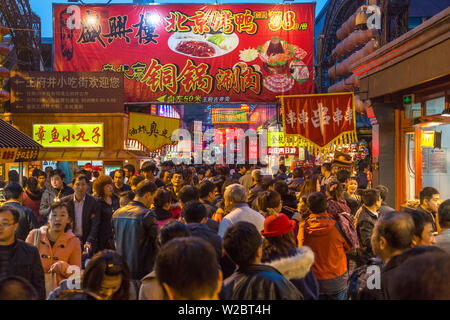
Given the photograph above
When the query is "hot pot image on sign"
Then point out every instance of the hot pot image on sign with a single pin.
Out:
(202, 46)
(278, 83)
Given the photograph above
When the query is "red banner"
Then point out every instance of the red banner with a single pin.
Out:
(187, 53)
(320, 120)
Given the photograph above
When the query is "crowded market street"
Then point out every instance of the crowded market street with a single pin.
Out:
(214, 150)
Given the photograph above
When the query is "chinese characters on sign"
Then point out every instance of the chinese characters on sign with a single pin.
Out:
(36, 92)
(191, 53)
(151, 131)
(319, 120)
(69, 135)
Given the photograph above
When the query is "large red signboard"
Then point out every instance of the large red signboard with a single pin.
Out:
(188, 53)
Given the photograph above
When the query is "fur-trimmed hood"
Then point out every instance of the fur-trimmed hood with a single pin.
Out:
(296, 266)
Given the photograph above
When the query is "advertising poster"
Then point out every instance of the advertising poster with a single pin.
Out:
(191, 53)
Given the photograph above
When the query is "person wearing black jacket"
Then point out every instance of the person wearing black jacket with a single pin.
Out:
(365, 223)
(391, 241)
(136, 231)
(55, 192)
(194, 215)
(108, 203)
(17, 258)
(252, 280)
(84, 211)
(27, 221)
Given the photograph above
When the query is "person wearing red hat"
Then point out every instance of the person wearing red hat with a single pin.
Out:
(281, 252)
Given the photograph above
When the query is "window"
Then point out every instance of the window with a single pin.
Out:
(434, 106)
(413, 111)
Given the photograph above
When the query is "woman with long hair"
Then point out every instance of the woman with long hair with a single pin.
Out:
(109, 202)
(58, 246)
(336, 201)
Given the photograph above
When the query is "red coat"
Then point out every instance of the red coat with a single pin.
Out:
(33, 202)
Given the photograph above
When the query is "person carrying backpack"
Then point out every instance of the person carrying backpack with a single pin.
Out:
(321, 232)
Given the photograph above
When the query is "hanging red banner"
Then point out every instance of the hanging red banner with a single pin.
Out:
(320, 120)
(189, 53)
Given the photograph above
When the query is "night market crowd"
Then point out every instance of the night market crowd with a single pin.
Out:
(168, 231)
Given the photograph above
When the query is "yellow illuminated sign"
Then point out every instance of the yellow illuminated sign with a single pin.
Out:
(427, 139)
(74, 135)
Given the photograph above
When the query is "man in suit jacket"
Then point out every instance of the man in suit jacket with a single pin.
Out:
(84, 211)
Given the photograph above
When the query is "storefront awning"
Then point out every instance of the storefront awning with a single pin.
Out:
(10, 137)
(16, 146)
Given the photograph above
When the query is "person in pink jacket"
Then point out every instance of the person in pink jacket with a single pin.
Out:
(58, 246)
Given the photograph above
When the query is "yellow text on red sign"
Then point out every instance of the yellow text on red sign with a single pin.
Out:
(74, 135)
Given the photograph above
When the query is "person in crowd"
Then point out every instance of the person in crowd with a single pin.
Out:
(361, 178)
(246, 179)
(108, 202)
(107, 277)
(87, 174)
(129, 170)
(151, 289)
(280, 250)
(58, 246)
(16, 288)
(56, 191)
(176, 182)
(149, 171)
(32, 198)
(198, 259)
(352, 195)
(190, 193)
(239, 172)
(200, 174)
(188, 176)
(328, 177)
(119, 182)
(423, 229)
(429, 203)
(365, 223)
(136, 232)
(310, 185)
(48, 173)
(13, 176)
(41, 178)
(165, 177)
(125, 198)
(84, 210)
(18, 258)
(424, 277)
(391, 241)
(134, 181)
(207, 193)
(252, 280)
(235, 197)
(269, 203)
(194, 215)
(319, 232)
(161, 203)
(288, 201)
(281, 174)
(335, 199)
(385, 208)
(298, 178)
(13, 193)
(256, 188)
(443, 238)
